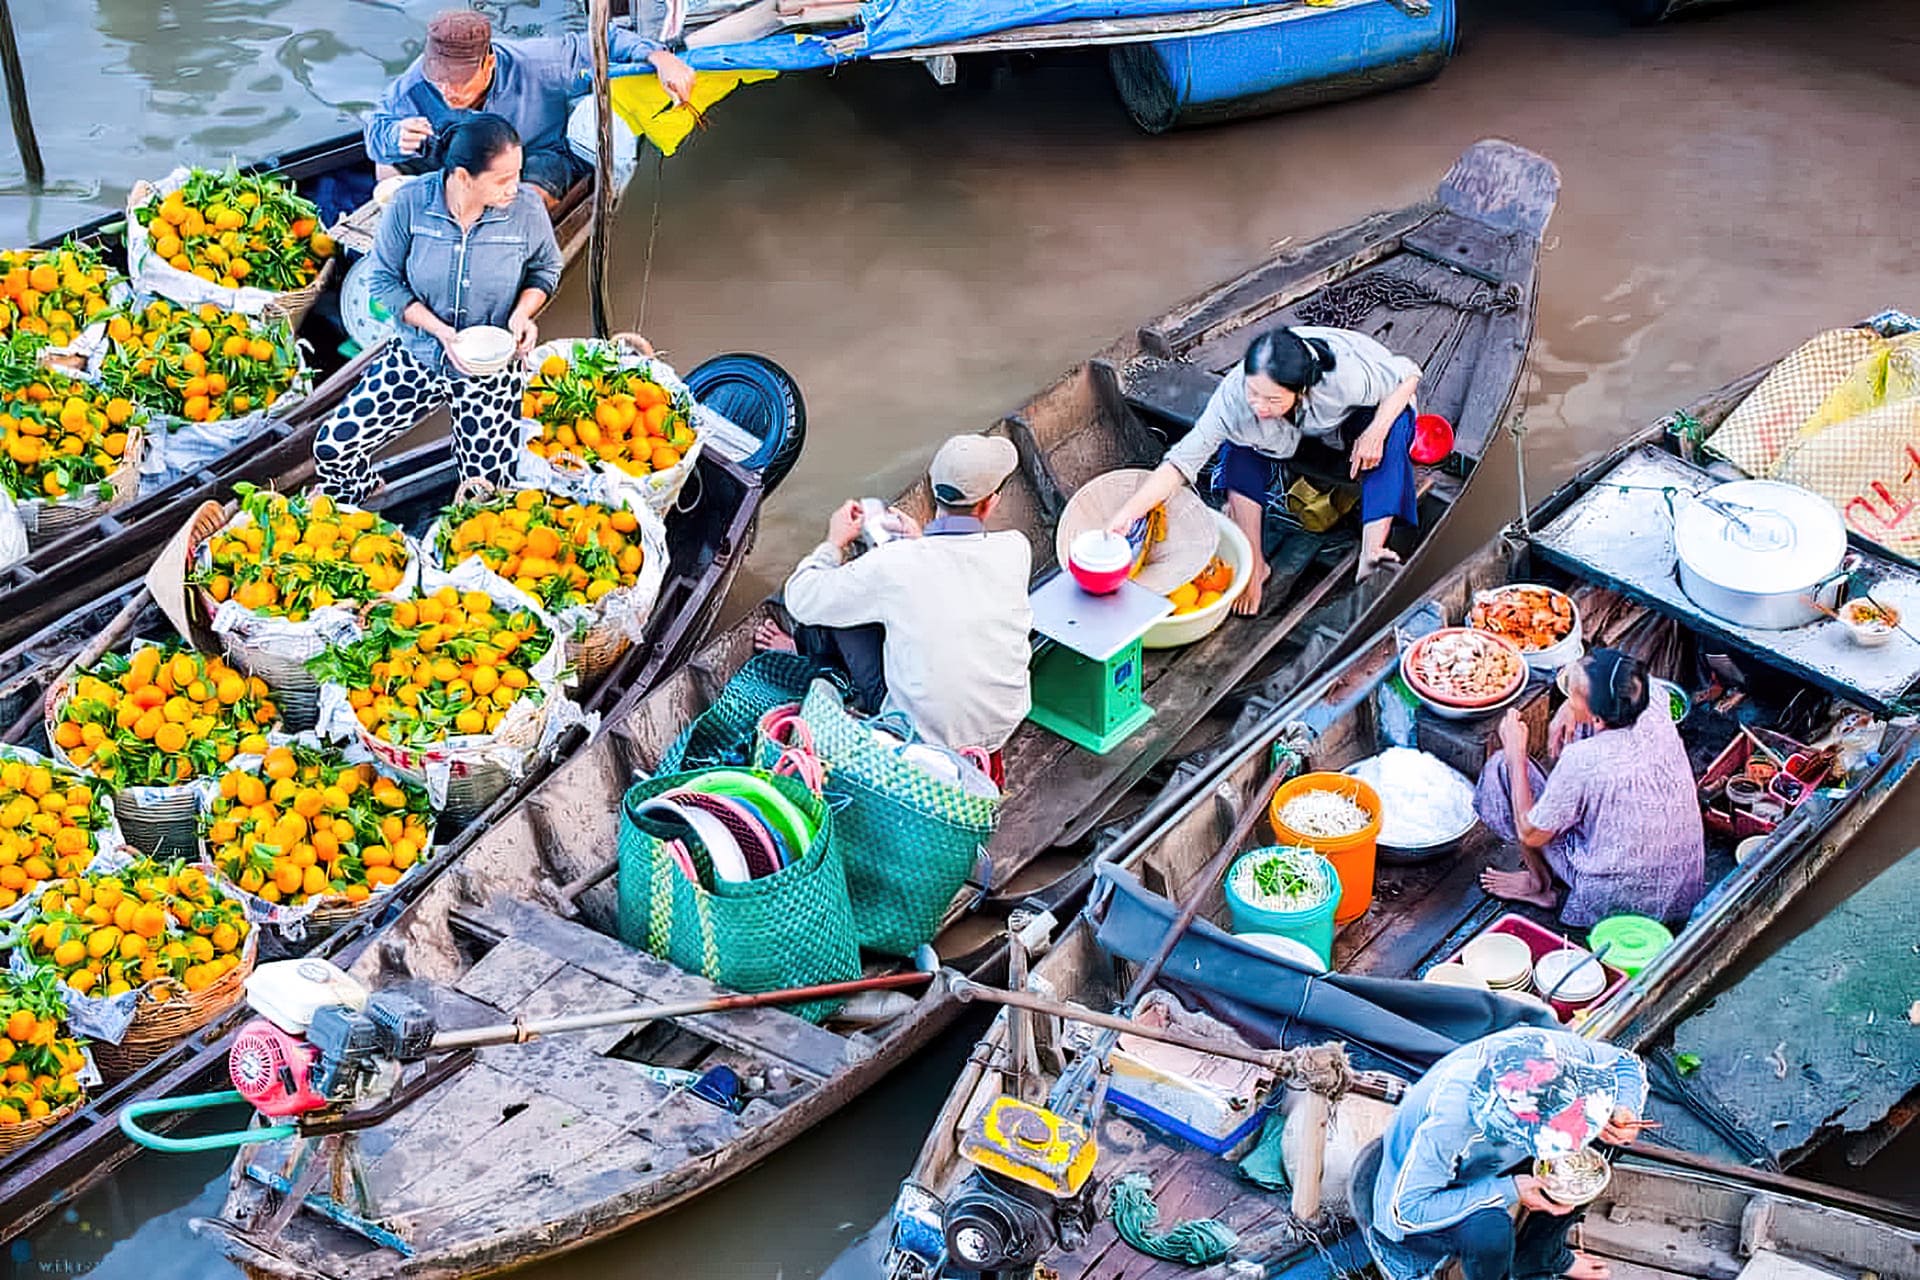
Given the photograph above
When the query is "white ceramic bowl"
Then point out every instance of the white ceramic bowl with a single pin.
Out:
(1747, 848)
(485, 349)
(1454, 974)
(1178, 629)
(1291, 950)
(1868, 634)
(1498, 959)
(1584, 978)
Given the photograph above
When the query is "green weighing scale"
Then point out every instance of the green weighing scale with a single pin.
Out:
(1086, 668)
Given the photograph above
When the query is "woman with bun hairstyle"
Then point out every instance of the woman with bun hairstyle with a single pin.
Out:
(1329, 389)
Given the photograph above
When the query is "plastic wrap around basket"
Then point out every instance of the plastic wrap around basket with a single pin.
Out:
(473, 783)
(792, 928)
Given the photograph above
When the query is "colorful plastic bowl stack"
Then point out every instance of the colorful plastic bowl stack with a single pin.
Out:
(747, 829)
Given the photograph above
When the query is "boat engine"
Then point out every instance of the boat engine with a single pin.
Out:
(1029, 1193)
(339, 1059)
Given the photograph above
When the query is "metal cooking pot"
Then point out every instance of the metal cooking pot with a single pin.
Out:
(1757, 552)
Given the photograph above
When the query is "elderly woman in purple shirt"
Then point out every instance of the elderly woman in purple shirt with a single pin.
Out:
(1616, 821)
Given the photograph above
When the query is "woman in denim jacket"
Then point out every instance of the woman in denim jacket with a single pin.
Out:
(466, 246)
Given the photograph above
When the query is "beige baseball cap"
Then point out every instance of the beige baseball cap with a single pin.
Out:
(971, 468)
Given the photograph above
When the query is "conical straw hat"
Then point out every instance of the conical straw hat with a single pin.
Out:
(1191, 539)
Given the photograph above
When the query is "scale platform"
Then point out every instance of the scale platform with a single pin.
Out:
(1086, 676)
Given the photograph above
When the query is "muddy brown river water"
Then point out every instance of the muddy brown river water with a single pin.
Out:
(922, 259)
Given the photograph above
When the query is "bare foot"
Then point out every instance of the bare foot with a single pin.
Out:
(1249, 602)
(769, 638)
(1517, 886)
(1370, 565)
(1587, 1267)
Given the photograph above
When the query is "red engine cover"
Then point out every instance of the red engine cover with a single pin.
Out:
(272, 1069)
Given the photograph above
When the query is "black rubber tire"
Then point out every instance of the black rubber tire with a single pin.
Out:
(762, 399)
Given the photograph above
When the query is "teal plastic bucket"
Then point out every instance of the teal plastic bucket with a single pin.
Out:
(1313, 926)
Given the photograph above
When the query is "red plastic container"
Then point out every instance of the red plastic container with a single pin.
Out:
(1540, 941)
(1432, 439)
(1098, 564)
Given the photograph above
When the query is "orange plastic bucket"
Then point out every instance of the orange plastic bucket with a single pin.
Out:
(1352, 856)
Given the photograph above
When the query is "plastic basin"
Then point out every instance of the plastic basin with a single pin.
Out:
(1175, 630)
(1314, 927)
(1352, 856)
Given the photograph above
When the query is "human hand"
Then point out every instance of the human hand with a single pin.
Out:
(526, 334)
(844, 526)
(1623, 1127)
(1533, 1195)
(1367, 451)
(676, 77)
(1562, 729)
(453, 356)
(414, 132)
(1513, 732)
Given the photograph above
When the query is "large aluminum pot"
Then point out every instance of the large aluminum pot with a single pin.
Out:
(1756, 552)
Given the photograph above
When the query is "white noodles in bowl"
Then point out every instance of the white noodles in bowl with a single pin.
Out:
(1324, 815)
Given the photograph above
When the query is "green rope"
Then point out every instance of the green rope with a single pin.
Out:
(1198, 1243)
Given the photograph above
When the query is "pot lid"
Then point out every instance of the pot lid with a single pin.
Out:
(1762, 536)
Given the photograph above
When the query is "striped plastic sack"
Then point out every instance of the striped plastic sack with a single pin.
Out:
(908, 838)
(793, 928)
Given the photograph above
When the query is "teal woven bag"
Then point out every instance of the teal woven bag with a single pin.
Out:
(723, 733)
(908, 839)
(793, 928)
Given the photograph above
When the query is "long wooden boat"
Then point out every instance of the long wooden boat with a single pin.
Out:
(707, 543)
(537, 1152)
(1422, 913)
(62, 575)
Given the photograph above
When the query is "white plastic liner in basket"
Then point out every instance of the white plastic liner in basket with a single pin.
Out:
(517, 743)
(152, 274)
(627, 608)
(290, 919)
(175, 446)
(605, 482)
(333, 624)
(13, 531)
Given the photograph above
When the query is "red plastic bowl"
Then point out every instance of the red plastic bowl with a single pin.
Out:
(1097, 582)
(1432, 439)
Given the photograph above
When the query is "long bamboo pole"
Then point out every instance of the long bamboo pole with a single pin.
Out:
(16, 78)
(600, 247)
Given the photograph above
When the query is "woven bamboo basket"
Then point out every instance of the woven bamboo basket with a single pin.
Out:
(294, 302)
(473, 782)
(15, 1136)
(165, 825)
(333, 911)
(157, 1027)
(594, 653)
(60, 516)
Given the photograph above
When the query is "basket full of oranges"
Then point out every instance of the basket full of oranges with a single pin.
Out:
(148, 950)
(41, 1070)
(595, 569)
(239, 240)
(598, 407)
(310, 839)
(284, 576)
(70, 450)
(54, 821)
(456, 691)
(147, 724)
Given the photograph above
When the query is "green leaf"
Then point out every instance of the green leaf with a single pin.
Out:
(1686, 1063)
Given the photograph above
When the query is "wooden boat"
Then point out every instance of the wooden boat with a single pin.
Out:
(707, 544)
(1424, 911)
(65, 573)
(594, 1144)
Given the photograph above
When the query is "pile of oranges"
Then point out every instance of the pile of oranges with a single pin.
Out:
(58, 435)
(596, 410)
(447, 664)
(560, 552)
(201, 363)
(50, 825)
(292, 555)
(39, 1068)
(108, 934)
(53, 293)
(235, 229)
(1205, 589)
(306, 825)
(160, 716)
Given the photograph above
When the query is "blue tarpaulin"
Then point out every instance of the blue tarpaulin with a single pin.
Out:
(894, 25)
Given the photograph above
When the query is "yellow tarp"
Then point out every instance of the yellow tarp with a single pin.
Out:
(648, 111)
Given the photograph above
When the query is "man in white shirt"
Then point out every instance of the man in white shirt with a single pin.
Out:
(945, 607)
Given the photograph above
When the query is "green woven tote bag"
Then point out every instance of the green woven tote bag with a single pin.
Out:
(793, 928)
(723, 733)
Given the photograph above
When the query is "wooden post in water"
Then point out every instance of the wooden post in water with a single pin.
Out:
(16, 78)
(600, 246)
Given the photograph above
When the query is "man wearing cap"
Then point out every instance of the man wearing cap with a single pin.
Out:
(529, 82)
(933, 622)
